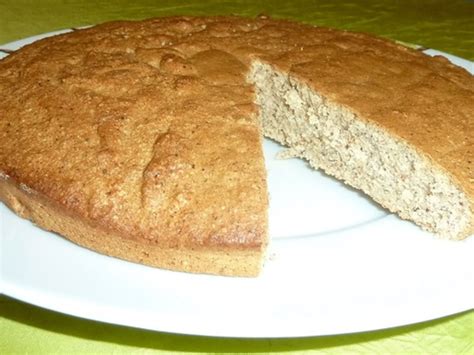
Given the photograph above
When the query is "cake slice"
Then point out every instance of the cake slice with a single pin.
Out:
(416, 166)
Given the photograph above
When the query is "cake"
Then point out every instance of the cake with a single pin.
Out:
(143, 140)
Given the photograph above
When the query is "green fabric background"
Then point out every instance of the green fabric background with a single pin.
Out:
(444, 25)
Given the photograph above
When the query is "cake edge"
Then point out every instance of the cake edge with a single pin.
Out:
(33, 206)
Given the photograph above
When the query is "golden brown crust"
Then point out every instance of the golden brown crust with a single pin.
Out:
(50, 216)
(148, 130)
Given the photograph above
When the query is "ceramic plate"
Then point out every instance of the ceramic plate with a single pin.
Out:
(337, 263)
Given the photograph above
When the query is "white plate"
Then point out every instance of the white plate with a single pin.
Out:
(337, 264)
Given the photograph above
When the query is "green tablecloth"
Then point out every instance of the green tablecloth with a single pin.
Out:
(443, 25)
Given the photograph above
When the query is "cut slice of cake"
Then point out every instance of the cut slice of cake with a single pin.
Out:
(395, 165)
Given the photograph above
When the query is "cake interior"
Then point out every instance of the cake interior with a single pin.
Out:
(332, 138)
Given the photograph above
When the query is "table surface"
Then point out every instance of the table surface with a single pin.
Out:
(446, 26)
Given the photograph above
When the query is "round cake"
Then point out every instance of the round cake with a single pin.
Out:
(143, 140)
